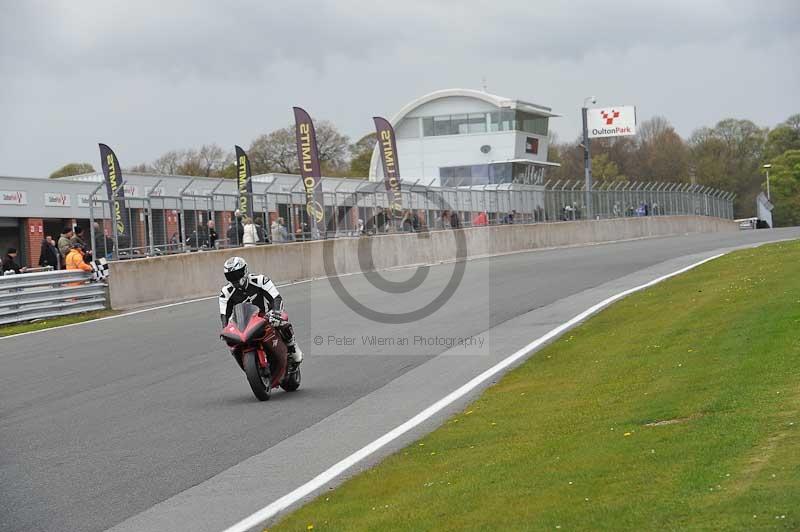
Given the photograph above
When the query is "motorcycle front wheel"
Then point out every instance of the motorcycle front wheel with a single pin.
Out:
(259, 382)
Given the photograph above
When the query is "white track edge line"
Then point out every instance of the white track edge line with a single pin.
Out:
(340, 467)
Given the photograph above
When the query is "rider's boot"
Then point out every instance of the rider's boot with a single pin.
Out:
(295, 354)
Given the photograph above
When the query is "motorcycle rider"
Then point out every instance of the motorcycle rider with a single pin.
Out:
(260, 291)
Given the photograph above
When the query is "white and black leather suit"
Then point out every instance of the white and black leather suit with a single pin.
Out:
(261, 292)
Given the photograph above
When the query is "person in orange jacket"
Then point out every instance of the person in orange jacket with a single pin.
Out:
(481, 219)
(75, 258)
(75, 261)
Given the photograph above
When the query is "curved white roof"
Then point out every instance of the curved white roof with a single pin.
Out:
(493, 99)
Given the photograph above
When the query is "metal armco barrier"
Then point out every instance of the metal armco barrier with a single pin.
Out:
(30, 296)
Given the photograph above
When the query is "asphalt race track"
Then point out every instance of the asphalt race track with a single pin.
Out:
(146, 419)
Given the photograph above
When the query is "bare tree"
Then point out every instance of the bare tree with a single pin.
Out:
(277, 151)
(190, 163)
(168, 163)
(274, 152)
(142, 168)
(333, 146)
(361, 155)
(212, 159)
(72, 169)
(794, 122)
(651, 130)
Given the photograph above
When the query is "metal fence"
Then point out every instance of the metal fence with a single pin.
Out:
(29, 296)
(199, 221)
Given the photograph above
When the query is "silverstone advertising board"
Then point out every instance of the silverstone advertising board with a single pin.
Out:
(611, 121)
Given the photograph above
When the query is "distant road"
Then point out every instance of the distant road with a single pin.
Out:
(102, 421)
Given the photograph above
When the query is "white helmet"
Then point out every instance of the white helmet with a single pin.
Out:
(236, 271)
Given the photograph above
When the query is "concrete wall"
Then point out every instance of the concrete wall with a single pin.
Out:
(192, 275)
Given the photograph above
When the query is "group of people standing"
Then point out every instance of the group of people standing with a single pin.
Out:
(69, 252)
(410, 221)
(251, 231)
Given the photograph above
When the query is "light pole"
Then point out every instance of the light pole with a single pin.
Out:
(587, 157)
(767, 167)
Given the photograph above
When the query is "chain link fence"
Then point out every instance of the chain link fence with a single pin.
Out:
(202, 220)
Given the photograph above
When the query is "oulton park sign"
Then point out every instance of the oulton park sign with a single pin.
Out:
(611, 121)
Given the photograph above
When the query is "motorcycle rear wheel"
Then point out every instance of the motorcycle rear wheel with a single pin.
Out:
(259, 383)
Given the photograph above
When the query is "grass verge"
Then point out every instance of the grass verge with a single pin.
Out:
(17, 328)
(677, 408)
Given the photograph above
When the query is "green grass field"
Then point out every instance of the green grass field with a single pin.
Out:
(677, 408)
(8, 330)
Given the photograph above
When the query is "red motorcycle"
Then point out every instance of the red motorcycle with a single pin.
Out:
(260, 351)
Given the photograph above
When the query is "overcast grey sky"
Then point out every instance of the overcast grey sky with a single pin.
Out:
(147, 76)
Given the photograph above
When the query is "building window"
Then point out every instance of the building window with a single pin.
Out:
(408, 128)
(502, 120)
(459, 124)
(500, 173)
(427, 126)
(477, 123)
(463, 176)
(528, 174)
(531, 123)
(441, 125)
(532, 145)
(508, 120)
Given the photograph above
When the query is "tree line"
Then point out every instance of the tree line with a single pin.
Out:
(728, 156)
(274, 152)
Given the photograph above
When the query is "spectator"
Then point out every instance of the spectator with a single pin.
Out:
(196, 239)
(250, 235)
(455, 223)
(48, 256)
(360, 226)
(76, 261)
(212, 234)
(77, 237)
(279, 232)
(509, 218)
(262, 235)
(103, 244)
(64, 244)
(444, 220)
(410, 222)
(303, 232)
(481, 219)
(9, 263)
(235, 232)
(377, 223)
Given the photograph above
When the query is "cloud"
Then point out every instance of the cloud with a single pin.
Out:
(151, 75)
